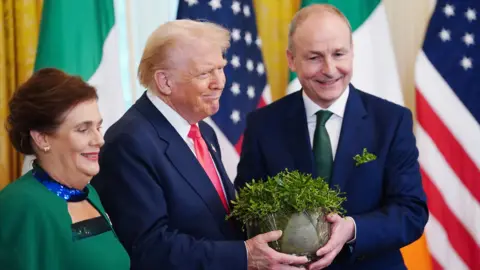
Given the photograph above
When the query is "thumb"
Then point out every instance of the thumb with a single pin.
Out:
(332, 218)
(270, 236)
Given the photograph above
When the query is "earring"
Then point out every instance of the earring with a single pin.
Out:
(46, 149)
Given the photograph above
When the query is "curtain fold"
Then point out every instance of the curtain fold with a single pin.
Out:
(18, 44)
(273, 18)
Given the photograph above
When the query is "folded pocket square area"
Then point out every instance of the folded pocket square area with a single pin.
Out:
(364, 157)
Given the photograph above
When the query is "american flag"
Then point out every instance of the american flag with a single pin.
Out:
(246, 86)
(447, 76)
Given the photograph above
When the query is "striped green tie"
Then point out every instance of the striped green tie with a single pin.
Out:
(322, 148)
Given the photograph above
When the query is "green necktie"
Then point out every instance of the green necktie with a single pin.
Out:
(322, 148)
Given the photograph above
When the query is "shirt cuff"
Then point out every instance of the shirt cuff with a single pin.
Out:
(354, 230)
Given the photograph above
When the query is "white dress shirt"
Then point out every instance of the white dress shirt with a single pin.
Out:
(180, 125)
(333, 125)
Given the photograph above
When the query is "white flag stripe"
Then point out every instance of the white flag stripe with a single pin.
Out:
(374, 65)
(106, 80)
(294, 86)
(267, 94)
(448, 107)
(440, 247)
(457, 197)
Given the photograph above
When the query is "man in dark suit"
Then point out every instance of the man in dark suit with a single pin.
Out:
(162, 181)
(320, 129)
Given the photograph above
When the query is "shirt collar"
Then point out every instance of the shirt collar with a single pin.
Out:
(337, 107)
(176, 120)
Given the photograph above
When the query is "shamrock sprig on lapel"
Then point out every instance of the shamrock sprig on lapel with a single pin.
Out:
(364, 158)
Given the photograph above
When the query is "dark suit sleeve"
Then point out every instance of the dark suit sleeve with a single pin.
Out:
(251, 165)
(402, 218)
(130, 190)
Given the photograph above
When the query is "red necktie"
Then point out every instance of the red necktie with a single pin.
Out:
(203, 156)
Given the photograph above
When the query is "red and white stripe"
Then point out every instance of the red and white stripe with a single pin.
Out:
(448, 139)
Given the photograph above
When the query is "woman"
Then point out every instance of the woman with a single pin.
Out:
(51, 217)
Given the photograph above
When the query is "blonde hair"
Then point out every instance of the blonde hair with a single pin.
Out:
(162, 44)
(305, 12)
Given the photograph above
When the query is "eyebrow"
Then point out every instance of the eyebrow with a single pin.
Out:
(213, 65)
(322, 53)
(89, 123)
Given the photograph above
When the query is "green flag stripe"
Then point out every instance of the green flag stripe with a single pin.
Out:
(292, 76)
(357, 11)
(72, 34)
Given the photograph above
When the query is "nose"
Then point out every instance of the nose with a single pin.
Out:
(97, 139)
(328, 68)
(219, 79)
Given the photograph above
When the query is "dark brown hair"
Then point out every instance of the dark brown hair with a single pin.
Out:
(41, 104)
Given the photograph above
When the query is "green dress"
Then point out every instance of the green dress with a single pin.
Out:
(36, 232)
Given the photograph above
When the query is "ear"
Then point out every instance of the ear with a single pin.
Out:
(40, 140)
(291, 61)
(162, 82)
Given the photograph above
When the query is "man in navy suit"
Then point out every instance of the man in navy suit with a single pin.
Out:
(162, 181)
(320, 129)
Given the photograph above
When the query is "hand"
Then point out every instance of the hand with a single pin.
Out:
(343, 230)
(260, 256)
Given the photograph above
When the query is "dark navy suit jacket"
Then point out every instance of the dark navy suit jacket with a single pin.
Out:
(385, 196)
(161, 202)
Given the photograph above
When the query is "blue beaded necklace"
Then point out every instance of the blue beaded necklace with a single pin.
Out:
(66, 193)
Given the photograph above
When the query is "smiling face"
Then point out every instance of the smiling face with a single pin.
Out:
(322, 57)
(75, 145)
(196, 82)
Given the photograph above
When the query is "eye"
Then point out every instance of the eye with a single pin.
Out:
(82, 130)
(204, 74)
(338, 54)
(313, 58)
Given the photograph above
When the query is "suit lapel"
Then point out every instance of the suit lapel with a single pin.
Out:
(298, 137)
(350, 135)
(185, 161)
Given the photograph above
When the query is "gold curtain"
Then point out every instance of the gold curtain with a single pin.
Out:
(18, 44)
(273, 18)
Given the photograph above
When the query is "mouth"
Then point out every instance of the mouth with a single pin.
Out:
(211, 97)
(91, 156)
(328, 82)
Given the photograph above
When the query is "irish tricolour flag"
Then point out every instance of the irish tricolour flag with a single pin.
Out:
(374, 67)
